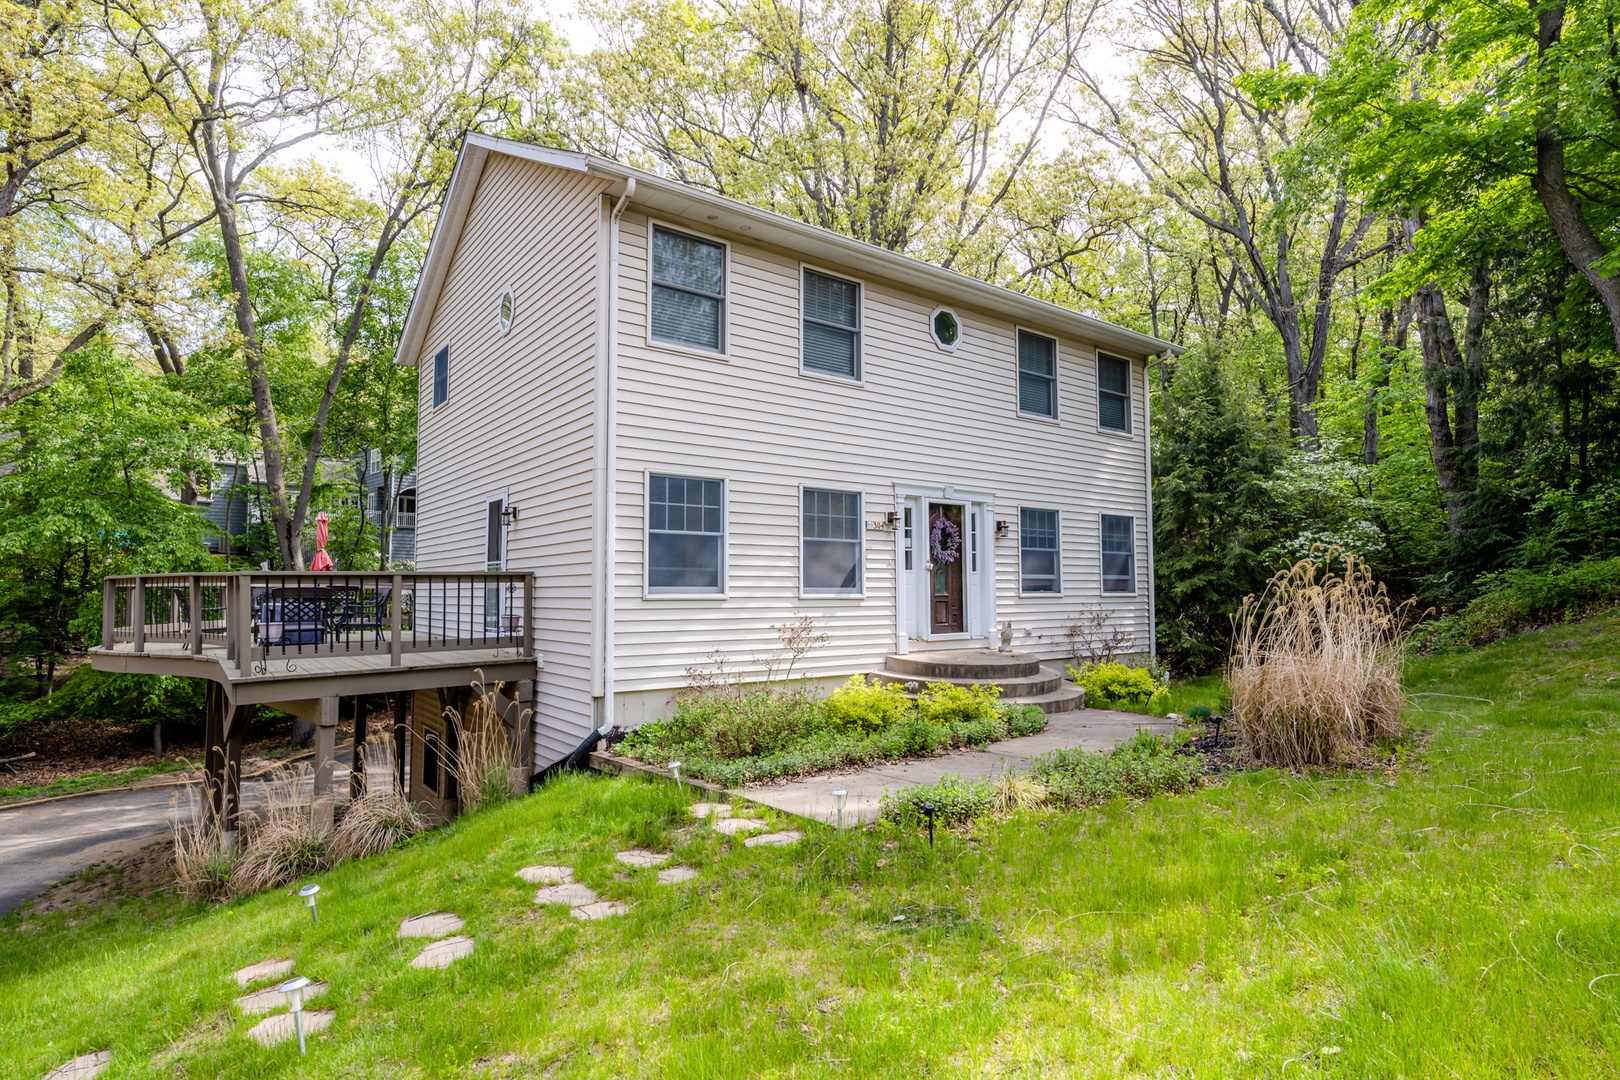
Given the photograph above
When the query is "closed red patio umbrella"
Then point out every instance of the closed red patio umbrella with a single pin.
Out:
(321, 561)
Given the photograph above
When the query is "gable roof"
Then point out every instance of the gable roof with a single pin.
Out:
(673, 199)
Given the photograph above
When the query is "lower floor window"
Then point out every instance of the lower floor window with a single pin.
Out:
(1118, 554)
(1038, 551)
(685, 534)
(831, 555)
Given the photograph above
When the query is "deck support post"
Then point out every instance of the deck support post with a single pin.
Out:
(139, 611)
(231, 792)
(223, 728)
(326, 745)
(194, 607)
(402, 738)
(357, 769)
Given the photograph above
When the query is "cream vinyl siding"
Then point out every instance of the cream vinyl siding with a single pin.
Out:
(921, 416)
(519, 418)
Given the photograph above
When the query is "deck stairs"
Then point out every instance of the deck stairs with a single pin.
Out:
(1022, 677)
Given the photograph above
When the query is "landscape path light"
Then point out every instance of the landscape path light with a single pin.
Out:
(928, 812)
(675, 768)
(308, 893)
(293, 988)
(838, 797)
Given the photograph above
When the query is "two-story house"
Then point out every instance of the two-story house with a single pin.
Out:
(695, 421)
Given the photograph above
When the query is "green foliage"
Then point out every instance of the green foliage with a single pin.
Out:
(866, 706)
(1121, 685)
(947, 703)
(1516, 599)
(955, 801)
(1138, 769)
(1022, 720)
(730, 722)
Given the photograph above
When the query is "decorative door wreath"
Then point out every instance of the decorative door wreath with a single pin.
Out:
(944, 542)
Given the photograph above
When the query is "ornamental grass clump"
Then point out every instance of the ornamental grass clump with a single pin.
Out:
(285, 842)
(1316, 666)
(482, 763)
(381, 817)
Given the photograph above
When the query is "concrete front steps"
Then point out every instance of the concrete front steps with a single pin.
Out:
(1021, 677)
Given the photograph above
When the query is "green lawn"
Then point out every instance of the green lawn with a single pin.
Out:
(96, 781)
(1454, 918)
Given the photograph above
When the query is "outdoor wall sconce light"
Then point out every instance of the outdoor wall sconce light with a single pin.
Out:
(1002, 529)
(838, 800)
(308, 893)
(293, 988)
(509, 514)
(675, 769)
(928, 809)
(888, 523)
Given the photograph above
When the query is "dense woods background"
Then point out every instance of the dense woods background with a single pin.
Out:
(1386, 233)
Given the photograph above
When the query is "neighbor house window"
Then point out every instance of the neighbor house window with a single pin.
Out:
(441, 376)
(1038, 551)
(1118, 554)
(685, 534)
(1113, 393)
(1037, 375)
(832, 541)
(832, 325)
(688, 290)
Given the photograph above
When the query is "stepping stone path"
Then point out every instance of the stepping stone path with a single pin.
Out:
(546, 875)
(711, 810)
(280, 1027)
(444, 953)
(277, 968)
(573, 894)
(82, 1067)
(435, 924)
(271, 1000)
(641, 857)
(736, 825)
(602, 909)
(775, 839)
(674, 875)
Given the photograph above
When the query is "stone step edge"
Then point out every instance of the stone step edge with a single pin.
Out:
(1011, 688)
(919, 664)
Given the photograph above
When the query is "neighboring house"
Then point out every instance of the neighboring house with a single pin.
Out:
(227, 502)
(768, 420)
(402, 522)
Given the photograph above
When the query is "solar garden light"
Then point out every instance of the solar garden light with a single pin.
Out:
(838, 798)
(308, 893)
(293, 988)
(928, 809)
(675, 768)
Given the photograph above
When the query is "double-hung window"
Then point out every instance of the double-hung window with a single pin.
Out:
(1118, 554)
(1037, 375)
(685, 535)
(688, 290)
(832, 325)
(1038, 561)
(441, 377)
(1113, 393)
(831, 556)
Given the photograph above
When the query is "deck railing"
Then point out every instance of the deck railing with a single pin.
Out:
(268, 616)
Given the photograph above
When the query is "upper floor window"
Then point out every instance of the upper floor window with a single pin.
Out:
(1038, 551)
(688, 290)
(685, 534)
(441, 376)
(1037, 375)
(1118, 554)
(832, 325)
(1113, 393)
(832, 541)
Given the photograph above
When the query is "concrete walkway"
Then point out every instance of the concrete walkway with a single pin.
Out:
(1088, 729)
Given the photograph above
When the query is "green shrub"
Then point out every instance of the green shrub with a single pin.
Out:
(955, 801)
(1076, 778)
(1121, 685)
(946, 703)
(1022, 720)
(1516, 599)
(865, 706)
(743, 722)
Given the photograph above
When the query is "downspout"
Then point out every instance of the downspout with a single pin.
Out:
(610, 525)
(1147, 453)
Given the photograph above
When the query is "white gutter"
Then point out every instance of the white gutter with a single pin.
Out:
(609, 535)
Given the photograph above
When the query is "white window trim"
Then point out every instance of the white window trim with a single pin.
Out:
(860, 329)
(860, 520)
(504, 326)
(1056, 416)
(725, 301)
(647, 591)
(961, 331)
(495, 497)
(433, 376)
(1056, 594)
(1136, 553)
(1130, 398)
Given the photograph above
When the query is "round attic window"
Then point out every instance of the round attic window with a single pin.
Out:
(946, 329)
(508, 310)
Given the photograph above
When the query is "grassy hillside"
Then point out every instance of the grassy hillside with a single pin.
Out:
(1448, 917)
